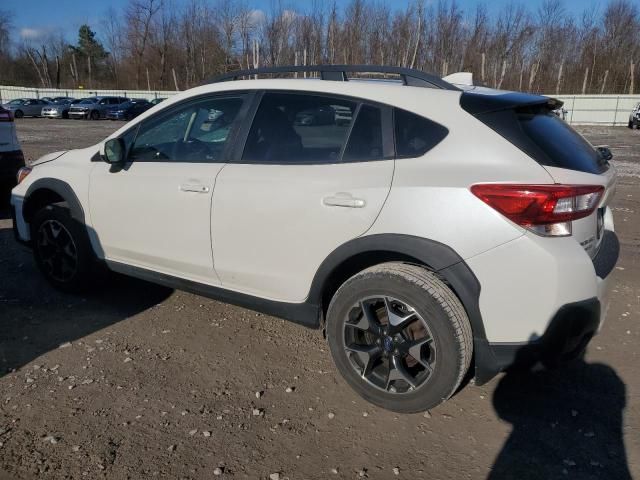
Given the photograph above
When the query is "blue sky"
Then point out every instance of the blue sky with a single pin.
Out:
(33, 18)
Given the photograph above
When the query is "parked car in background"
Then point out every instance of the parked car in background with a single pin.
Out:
(26, 107)
(11, 157)
(561, 113)
(129, 110)
(156, 101)
(47, 99)
(59, 107)
(634, 117)
(95, 108)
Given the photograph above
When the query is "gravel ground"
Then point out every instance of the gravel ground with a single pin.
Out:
(138, 381)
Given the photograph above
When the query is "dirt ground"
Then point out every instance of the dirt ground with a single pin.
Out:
(138, 381)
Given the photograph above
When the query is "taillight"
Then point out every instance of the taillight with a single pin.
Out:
(5, 115)
(544, 209)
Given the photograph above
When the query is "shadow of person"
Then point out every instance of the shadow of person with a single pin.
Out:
(567, 423)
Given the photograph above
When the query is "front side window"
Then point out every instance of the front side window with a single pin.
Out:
(196, 132)
(297, 128)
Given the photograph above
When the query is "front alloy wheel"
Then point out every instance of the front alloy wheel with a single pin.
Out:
(62, 249)
(57, 251)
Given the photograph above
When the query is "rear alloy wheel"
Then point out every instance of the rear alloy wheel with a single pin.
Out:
(399, 337)
(62, 249)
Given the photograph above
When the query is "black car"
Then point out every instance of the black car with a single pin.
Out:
(634, 117)
(129, 110)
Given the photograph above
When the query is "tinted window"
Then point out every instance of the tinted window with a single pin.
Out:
(365, 141)
(194, 133)
(561, 143)
(415, 135)
(294, 128)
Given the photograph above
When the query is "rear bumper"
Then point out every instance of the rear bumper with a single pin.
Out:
(569, 331)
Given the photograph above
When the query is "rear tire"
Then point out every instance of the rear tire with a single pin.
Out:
(400, 337)
(62, 249)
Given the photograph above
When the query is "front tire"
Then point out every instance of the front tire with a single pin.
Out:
(62, 249)
(95, 115)
(400, 337)
(18, 114)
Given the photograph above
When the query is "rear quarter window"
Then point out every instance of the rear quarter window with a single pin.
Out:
(415, 135)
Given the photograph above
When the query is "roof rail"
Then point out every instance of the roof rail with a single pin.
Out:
(409, 76)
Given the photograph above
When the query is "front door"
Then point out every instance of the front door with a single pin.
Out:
(155, 213)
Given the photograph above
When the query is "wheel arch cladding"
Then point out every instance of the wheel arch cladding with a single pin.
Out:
(46, 191)
(363, 252)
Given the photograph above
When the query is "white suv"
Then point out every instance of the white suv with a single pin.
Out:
(433, 233)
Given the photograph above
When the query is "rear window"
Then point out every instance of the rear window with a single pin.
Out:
(563, 146)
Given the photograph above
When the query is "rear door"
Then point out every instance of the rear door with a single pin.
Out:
(314, 174)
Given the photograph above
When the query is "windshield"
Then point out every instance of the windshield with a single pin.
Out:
(88, 100)
(17, 101)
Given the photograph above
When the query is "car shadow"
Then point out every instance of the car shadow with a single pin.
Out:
(567, 423)
(35, 318)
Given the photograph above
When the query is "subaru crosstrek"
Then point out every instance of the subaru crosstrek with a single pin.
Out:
(435, 233)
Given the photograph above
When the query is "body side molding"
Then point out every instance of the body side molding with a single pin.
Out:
(304, 313)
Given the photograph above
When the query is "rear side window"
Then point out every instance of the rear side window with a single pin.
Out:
(299, 128)
(563, 146)
(365, 141)
(415, 135)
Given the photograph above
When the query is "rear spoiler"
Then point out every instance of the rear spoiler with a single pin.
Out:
(477, 103)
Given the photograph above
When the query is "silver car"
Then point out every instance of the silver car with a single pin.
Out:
(59, 107)
(26, 107)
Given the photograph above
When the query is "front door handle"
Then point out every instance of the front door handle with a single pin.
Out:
(194, 188)
(343, 199)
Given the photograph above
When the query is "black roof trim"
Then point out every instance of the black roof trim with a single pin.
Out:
(409, 76)
(477, 103)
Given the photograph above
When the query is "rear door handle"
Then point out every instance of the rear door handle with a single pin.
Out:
(343, 200)
(194, 188)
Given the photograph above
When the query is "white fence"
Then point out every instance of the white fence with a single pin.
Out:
(610, 110)
(8, 93)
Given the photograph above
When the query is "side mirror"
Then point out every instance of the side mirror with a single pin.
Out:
(605, 152)
(114, 151)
